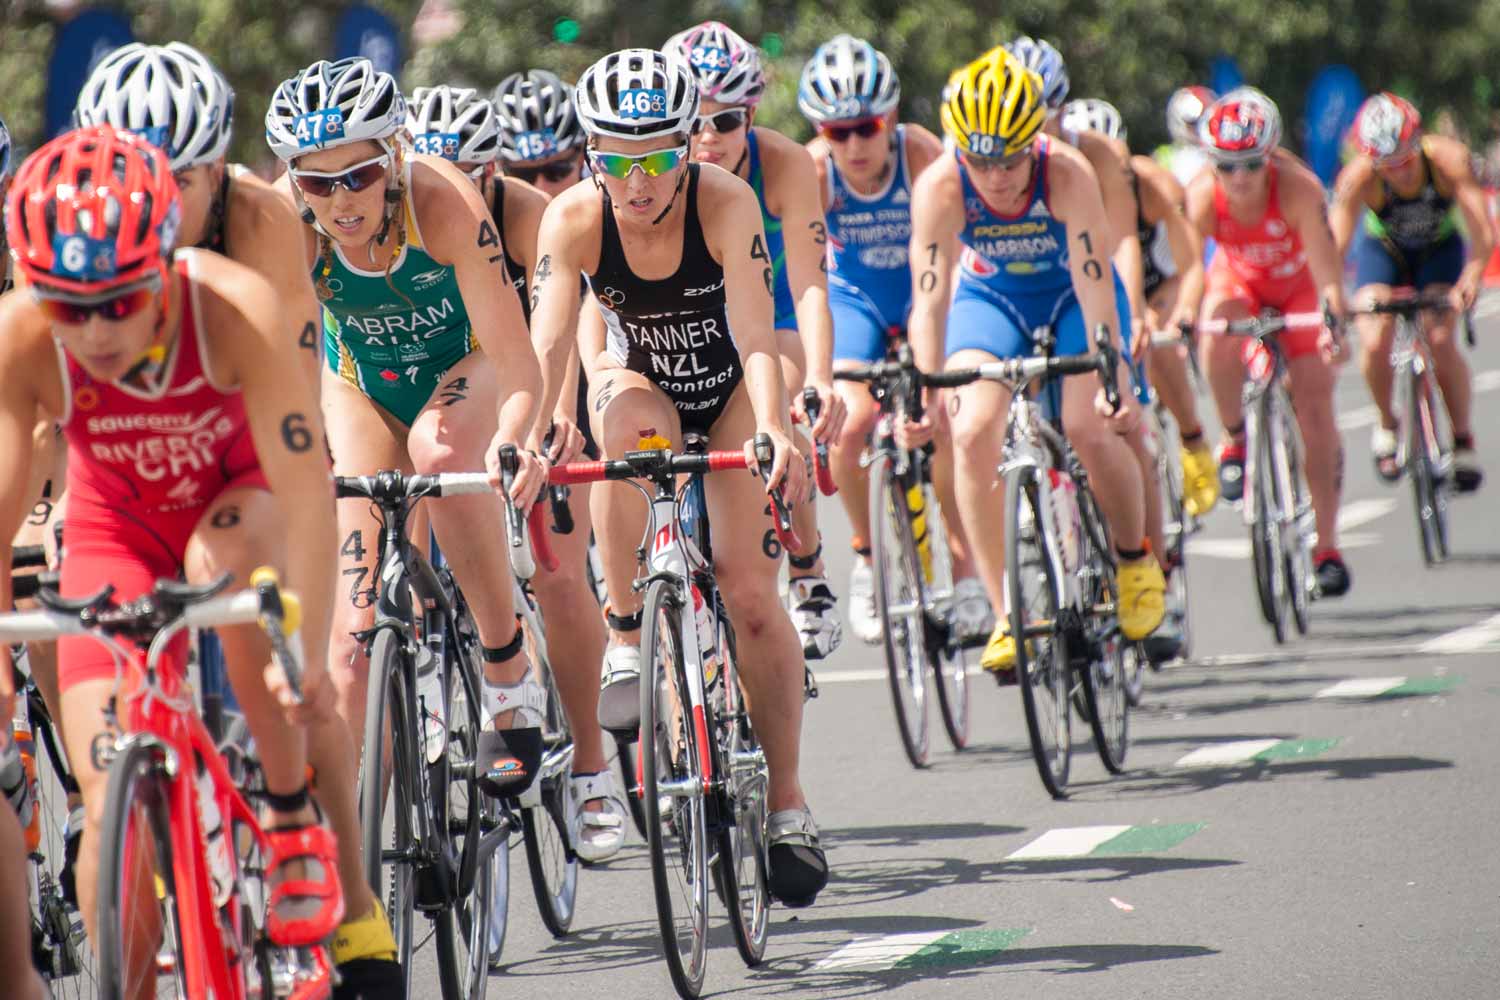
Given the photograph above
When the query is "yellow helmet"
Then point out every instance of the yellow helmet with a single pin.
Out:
(993, 106)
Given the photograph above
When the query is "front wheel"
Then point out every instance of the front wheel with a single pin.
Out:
(1266, 535)
(1042, 666)
(672, 779)
(139, 939)
(1423, 463)
(898, 603)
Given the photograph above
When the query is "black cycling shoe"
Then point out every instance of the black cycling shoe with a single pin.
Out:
(798, 866)
(1467, 476)
(1333, 575)
(66, 880)
(370, 979)
(1232, 472)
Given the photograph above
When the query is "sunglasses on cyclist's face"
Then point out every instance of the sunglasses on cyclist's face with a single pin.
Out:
(557, 172)
(723, 122)
(1248, 166)
(653, 164)
(989, 164)
(115, 308)
(354, 178)
(841, 133)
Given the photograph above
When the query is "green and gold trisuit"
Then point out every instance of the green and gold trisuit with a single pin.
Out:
(395, 349)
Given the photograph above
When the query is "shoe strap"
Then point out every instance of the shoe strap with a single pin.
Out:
(526, 695)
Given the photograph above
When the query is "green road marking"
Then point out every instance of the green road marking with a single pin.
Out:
(1416, 686)
(1296, 750)
(1145, 839)
(963, 948)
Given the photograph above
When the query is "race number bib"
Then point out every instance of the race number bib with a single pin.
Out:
(642, 103)
(444, 144)
(318, 128)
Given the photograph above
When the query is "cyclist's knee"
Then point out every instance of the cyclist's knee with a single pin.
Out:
(751, 600)
(432, 455)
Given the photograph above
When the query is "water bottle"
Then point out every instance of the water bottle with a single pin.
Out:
(220, 867)
(1062, 506)
(19, 789)
(916, 503)
(430, 698)
(708, 646)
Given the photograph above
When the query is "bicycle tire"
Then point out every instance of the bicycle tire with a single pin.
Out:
(670, 754)
(949, 657)
(1422, 467)
(740, 873)
(135, 807)
(1299, 571)
(386, 697)
(630, 782)
(554, 875)
(1265, 534)
(1043, 671)
(1178, 530)
(898, 604)
(1104, 679)
(462, 930)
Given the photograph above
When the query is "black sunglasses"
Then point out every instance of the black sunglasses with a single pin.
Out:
(554, 172)
(841, 133)
(724, 121)
(1249, 166)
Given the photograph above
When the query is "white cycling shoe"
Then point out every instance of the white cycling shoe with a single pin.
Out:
(596, 836)
(620, 692)
(814, 611)
(864, 622)
(973, 618)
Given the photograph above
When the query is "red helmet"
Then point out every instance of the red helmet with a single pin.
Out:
(1242, 125)
(92, 210)
(1187, 106)
(1387, 127)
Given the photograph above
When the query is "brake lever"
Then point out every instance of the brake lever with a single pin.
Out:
(1108, 366)
(515, 530)
(781, 514)
(558, 495)
(812, 405)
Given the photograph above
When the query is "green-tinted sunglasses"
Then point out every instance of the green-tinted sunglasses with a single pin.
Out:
(654, 164)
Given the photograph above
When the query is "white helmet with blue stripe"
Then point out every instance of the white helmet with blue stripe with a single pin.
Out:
(1039, 56)
(847, 78)
(331, 104)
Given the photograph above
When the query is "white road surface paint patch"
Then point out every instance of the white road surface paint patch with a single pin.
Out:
(1067, 842)
(1465, 640)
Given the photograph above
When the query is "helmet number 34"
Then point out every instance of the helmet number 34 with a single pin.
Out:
(318, 128)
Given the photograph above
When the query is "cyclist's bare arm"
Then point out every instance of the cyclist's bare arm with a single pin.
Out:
(789, 170)
(249, 347)
(266, 235)
(937, 219)
(1163, 200)
(1353, 191)
(1452, 169)
(568, 244)
(465, 238)
(922, 150)
(1302, 203)
(1110, 159)
(1078, 205)
(732, 228)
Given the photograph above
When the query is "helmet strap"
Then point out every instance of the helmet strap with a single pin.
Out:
(682, 177)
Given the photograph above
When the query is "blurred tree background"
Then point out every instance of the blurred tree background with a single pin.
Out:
(1133, 52)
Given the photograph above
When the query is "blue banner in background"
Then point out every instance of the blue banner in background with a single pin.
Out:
(1333, 98)
(1224, 75)
(365, 31)
(80, 44)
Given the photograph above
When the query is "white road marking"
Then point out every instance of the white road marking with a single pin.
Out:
(1239, 548)
(1220, 754)
(1465, 640)
(1067, 842)
(1358, 512)
(879, 952)
(1361, 687)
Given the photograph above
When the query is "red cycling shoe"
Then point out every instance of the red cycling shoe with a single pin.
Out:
(315, 843)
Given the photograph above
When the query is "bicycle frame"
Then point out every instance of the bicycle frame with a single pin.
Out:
(1032, 442)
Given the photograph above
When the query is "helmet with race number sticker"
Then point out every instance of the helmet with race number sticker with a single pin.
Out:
(725, 67)
(994, 105)
(1185, 109)
(847, 78)
(636, 94)
(92, 210)
(1091, 114)
(536, 116)
(454, 123)
(1240, 127)
(1039, 56)
(1387, 127)
(171, 94)
(332, 104)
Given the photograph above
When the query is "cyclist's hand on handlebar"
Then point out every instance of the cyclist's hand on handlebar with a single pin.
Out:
(565, 442)
(531, 474)
(831, 415)
(317, 700)
(1462, 295)
(1183, 319)
(915, 433)
(1124, 420)
(788, 470)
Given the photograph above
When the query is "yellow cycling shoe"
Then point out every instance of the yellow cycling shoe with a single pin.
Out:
(1200, 479)
(1000, 656)
(368, 936)
(1143, 596)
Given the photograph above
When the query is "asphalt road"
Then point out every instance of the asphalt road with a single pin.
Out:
(1336, 843)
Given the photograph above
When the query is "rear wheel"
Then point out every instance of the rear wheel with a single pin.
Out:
(1104, 682)
(550, 857)
(631, 782)
(1041, 645)
(898, 603)
(950, 658)
(387, 778)
(672, 771)
(741, 843)
(140, 945)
